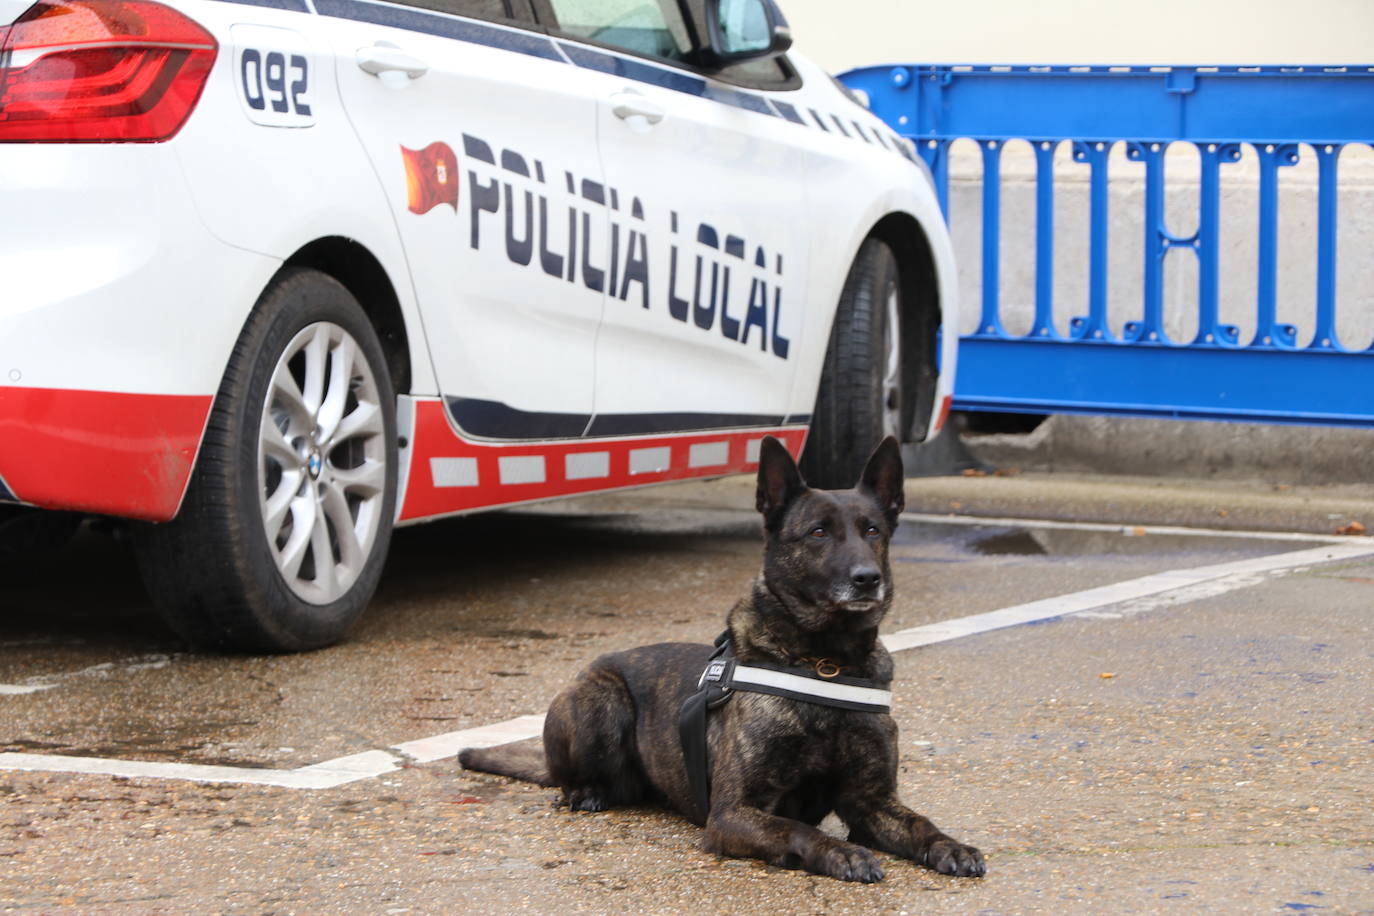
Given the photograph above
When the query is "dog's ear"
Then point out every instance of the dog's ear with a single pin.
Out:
(883, 477)
(779, 481)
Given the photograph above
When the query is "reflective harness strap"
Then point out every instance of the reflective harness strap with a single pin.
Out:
(723, 675)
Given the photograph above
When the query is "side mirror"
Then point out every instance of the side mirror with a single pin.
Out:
(740, 30)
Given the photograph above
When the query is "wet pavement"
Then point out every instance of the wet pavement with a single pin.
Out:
(1208, 748)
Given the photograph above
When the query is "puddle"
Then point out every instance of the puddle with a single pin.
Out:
(1021, 543)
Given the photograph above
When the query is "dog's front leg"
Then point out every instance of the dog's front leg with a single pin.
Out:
(892, 827)
(747, 832)
(876, 817)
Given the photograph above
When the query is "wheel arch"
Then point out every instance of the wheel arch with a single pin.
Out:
(922, 317)
(353, 265)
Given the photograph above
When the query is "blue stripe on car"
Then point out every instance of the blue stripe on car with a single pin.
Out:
(413, 20)
(592, 59)
(739, 100)
(294, 6)
(788, 111)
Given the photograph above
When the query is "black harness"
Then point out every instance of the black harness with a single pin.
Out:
(821, 683)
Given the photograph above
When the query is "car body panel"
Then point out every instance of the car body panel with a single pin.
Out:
(273, 188)
(701, 337)
(504, 143)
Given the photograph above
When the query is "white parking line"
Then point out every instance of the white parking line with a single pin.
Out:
(326, 775)
(1236, 574)
(1204, 581)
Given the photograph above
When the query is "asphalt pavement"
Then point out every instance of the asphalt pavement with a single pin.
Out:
(1134, 696)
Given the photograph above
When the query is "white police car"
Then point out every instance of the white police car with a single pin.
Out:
(280, 274)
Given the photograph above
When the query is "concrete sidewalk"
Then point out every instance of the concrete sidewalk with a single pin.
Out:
(1228, 505)
(1225, 505)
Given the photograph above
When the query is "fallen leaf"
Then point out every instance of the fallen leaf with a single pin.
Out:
(1138, 531)
(465, 800)
(1354, 528)
(975, 472)
(1007, 472)
(1106, 675)
(1223, 513)
(955, 504)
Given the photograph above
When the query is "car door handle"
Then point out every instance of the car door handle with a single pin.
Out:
(630, 104)
(384, 59)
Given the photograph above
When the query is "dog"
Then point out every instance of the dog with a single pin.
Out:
(773, 762)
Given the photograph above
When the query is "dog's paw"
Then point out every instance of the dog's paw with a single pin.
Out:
(850, 863)
(585, 800)
(952, 858)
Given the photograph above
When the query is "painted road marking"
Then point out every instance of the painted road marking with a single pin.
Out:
(1239, 573)
(326, 775)
(1206, 581)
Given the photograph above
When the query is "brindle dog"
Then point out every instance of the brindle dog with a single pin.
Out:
(777, 765)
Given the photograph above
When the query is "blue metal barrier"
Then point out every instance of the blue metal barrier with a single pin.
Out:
(1283, 113)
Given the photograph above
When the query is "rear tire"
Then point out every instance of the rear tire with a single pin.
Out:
(285, 526)
(862, 395)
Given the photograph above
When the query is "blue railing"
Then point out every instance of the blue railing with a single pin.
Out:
(1276, 372)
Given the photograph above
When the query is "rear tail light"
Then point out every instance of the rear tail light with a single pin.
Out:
(100, 70)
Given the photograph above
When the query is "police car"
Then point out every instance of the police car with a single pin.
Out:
(279, 275)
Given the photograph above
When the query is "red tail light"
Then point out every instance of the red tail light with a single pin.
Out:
(102, 70)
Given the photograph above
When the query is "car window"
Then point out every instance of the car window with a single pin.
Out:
(651, 27)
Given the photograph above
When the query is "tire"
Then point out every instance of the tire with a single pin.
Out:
(286, 523)
(863, 395)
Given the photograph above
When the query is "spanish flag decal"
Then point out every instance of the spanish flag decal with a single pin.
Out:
(431, 177)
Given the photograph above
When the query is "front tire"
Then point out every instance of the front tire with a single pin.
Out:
(862, 396)
(285, 526)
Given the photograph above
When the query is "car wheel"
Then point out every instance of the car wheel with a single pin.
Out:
(861, 397)
(286, 523)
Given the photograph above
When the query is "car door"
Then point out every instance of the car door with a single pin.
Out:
(484, 137)
(708, 233)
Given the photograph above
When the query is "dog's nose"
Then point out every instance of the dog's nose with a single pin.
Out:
(866, 577)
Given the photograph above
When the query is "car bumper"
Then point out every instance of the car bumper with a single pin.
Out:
(99, 451)
(118, 311)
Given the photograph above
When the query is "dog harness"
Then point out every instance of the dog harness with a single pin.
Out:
(822, 683)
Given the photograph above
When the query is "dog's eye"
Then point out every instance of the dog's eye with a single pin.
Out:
(872, 531)
(819, 532)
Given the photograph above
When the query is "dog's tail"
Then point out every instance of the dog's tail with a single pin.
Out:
(518, 760)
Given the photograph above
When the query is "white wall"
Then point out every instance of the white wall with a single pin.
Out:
(840, 35)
